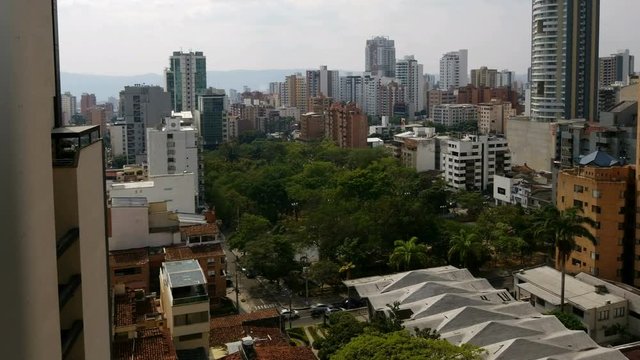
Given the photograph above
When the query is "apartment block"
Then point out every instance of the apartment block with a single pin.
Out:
(87, 101)
(471, 162)
(347, 126)
(69, 107)
(312, 127)
(184, 298)
(439, 97)
(210, 117)
(453, 70)
(129, 268)
(177, 190)
(616, 68)
(604, 190)
(454, 114)
(494, 116)
(484, 77)
(410, 74)
(380, 56)
(418, 149)
(185, 78)
(175, 149)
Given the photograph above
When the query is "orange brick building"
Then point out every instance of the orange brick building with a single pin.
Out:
(347, 126)
(605, 191)
(311, 127)
(129, 267)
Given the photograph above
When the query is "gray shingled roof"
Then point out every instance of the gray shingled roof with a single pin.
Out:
(599, 158)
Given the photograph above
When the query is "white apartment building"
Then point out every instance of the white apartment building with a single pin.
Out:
(118, 138)
(509, 190)
(410, 74)
(454, 114)
(174, 149)
(453, 70)
(493, 116)
(472, 162)
(184, 298)
(69, 107)
(178, 190)
(351, 89)
(418, 149)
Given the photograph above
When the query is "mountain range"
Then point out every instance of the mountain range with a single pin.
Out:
(105, 86)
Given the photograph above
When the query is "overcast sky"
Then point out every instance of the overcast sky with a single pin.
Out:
(128, 37)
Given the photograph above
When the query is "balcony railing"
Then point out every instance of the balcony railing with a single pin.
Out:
(69, 336)
(191, 299)
(69, 140)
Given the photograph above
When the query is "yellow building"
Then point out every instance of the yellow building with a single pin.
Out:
(604, 190)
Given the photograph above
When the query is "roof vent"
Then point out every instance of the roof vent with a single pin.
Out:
(601, 289)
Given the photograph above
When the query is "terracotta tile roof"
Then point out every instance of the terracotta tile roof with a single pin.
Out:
(182, 252)
(150, 344)
(202, 229)
(260, 324)
(278, 353)
(128, 257)
(128, 311)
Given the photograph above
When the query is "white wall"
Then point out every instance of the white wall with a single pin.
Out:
(118, 139)
(502, 182)
(129, 228)
(178, 190)
(531, 143)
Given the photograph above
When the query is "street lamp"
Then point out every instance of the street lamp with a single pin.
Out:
(237, 290)
(305, 271)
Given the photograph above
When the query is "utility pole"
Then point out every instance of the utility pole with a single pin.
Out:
(237, 289)
(290, 309)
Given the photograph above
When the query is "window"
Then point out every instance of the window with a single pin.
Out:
(211, 260)
(188, 319)
(596, 194)
(618, 312)
(540, 301)
(128, 271)
(577, 203)
(577, 312)
(190, 337)
(578, 188)
(610, 331)
(502, 191)
(595, 209)
(575, 262)
(597, 225)
(211, 273)
(603, 315)
(169, 136)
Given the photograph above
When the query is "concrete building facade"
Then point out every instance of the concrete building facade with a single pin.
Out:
(454, 114)
(185, 78)
(69, 107)
(494, 116)
(410, 74)
(211, 115)
(347, 126)
(453, 70)
(485, 77)
(616, 68)
(380, 56)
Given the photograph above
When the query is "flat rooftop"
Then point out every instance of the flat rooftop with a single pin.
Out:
(121, 258)
(176, 253)
(544, 281)
(184, 273)
(129, 202)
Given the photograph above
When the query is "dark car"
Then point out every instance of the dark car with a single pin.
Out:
(352, 303)
(251, 274)
(319, 309)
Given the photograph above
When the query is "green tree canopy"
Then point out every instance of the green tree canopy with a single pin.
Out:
(251, 228)
(402, 346)
(409, 255)
(467, 250)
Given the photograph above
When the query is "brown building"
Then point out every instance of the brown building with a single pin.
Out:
(311, 127)
(484, 77)
(130, 268)
(320, 104)
(476, 95)
(604, 190)
(212, 261)
(87, 101)
(347, 126)
(438, 97)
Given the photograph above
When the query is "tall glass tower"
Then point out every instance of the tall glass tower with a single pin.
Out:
(185, 78)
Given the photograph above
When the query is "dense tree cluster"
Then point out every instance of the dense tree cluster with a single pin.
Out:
(362, 210)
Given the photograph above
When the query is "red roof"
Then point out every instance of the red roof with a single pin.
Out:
(193, 252)
(128, 257)
(150, 344)
(204, 229)
(259, 324)
(279, 353)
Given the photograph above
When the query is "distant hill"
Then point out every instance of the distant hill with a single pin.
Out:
(105, 85)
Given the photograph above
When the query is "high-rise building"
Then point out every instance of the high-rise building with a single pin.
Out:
(380, 56)
(410, 74)
(68, 107)
(141, 107)
(604, 190)
(505, 78)
(87, 101)
(564, 59)
(493, 116)
(453, 70)
(54, 249)
(173, 149)
(296, 92)
(210, 117)
(351, 89)
(322, 82)
(311, 127)
(616, 68)
(454, 114)
(185, 78)
(437, 97)
(484, 77)
(347, 126)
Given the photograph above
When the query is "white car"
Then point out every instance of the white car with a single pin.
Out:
(286, 313)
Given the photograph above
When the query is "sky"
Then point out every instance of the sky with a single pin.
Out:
(130, 37)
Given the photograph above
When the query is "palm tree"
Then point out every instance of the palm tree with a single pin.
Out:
(561, 227)
(466, 247)
(409, 254)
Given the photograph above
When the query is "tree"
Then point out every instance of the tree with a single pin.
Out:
(324, 272)
(387, 323)
(561, 227)
(409, 254)
(470, 200)
(466, 249)
(400, 345)
(569, 320)
(250, 228)
(119, 162)
(272, 256)
(342, 328)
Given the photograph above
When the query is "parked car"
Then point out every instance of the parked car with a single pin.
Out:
(332, 310)
(251, 274)
(352, 303)
(286, 313)
(319, 309)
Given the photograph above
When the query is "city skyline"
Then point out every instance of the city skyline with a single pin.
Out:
(257, 27)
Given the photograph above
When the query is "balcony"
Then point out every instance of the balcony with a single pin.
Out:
(69, 336)
(66, 291)
(69, 140)
(65, 242)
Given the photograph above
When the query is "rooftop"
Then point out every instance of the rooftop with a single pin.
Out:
(278, 353)
(129, 201)
(467, 310)
(133, 185)
(258, 324)
(203, 229)
(128, 257)
(544, 282)
(193, 252)
(133, 307)
(183, 273)
(599, 158)
(150, 344)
